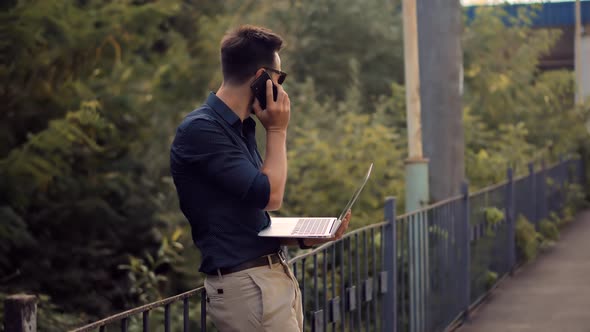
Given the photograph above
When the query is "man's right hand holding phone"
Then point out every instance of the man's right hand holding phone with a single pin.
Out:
(277, 114)
(275, 119)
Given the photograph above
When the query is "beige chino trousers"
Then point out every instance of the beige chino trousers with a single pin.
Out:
(264, 298)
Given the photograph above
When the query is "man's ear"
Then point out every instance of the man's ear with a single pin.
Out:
(258, 73)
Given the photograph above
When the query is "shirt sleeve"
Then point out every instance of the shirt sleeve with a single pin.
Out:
(205, 147)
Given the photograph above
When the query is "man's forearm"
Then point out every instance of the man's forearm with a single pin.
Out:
(275, 167)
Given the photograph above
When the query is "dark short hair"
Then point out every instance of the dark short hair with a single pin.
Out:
(246, 49)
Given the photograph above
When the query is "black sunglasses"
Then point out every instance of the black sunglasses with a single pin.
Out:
(282, 74)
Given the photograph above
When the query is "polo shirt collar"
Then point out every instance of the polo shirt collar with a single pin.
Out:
(223, 110)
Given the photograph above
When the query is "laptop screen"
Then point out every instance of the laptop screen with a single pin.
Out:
(356, 193)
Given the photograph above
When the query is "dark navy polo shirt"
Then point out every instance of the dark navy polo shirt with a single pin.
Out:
(215, 165)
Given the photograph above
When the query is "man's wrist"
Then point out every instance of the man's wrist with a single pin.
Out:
(277, 131)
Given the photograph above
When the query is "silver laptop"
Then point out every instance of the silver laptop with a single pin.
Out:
(321, 227)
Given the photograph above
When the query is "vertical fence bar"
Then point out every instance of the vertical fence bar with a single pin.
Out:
(342, 288)
(421, 271)
(351, 293)
(325, 287)
(146, 321)
(203, 310)
(456, 252)
(185, 315)
(403, 266)
(449, 273)
(316, 298)
(303, 297)
(562, 185)
(167, 318)
(359, 283)
(425, 270)
(466, 252)
(544, 203)
(334, 315)
(438, 280)
(375, 278)
(124, 325)
(581, 165)
(412, 309)
(510, 222)
(532, 208)
(390, 266)
(365, 290)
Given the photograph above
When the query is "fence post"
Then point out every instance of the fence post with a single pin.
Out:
(390, 259)
(532, 206)
(510, 220)
(543, 193)
(467, 251)
(580, 165)
(562, 185)
(20, 313)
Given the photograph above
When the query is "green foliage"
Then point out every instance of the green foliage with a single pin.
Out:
(145, 273)
(93, 90)
(482, 250)
(48, 154)
(575, 198)
(440, 232)
(527, 239)
(491, 279)
(81, 189)
(328, 154)
(325, 35)
(549, 230)
(486, 163)
(68, 177)
(513, 113)
(493, 215)
(500, 64)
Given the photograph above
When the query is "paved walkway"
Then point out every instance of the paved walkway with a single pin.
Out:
(551, 294)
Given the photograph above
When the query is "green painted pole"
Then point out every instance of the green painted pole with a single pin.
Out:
(416, 173)
(416, 184)
(417, 195)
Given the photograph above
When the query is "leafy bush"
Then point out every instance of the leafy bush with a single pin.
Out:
(493, 215)
(575, 198)
(491, 279)
(549, 230)
(527, 239)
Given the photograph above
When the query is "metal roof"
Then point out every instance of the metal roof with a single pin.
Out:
(551, 14)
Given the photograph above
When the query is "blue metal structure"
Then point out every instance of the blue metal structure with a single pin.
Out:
(551, 14)
(362, 281)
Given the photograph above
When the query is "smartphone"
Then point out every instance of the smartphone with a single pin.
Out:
(259, 89)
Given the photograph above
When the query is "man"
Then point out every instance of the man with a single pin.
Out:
(225, 189)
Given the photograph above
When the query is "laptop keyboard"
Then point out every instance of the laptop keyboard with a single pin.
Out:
(311, 226)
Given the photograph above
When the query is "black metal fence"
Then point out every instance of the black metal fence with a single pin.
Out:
(418, 272)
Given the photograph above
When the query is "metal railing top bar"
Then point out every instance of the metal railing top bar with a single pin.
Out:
(488, 188)
(333, 243)
(555, 165)
(443, 218)
(138, 310)
(520, 178)
(429, 207)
